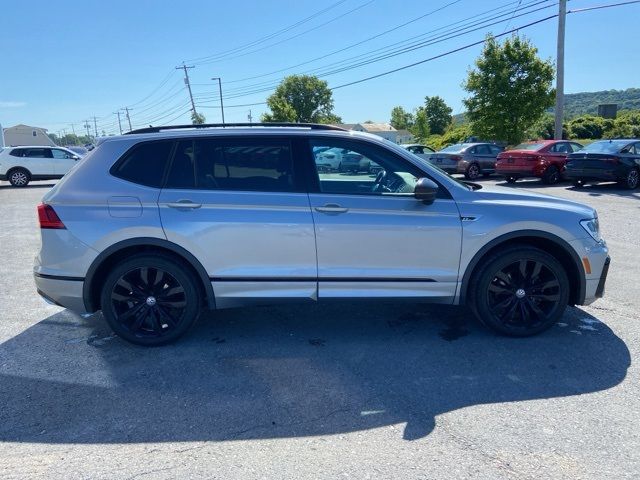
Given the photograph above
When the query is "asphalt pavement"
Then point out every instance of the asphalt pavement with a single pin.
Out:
(342, 390)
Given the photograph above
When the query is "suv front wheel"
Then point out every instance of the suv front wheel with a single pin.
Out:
(150, 300)
(520, 291)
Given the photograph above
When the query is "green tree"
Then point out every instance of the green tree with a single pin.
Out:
(301, 98)
(510, 88)
(401, 119)
(626, 125)
(438, 114)
(544, 129)
(197, 118)
(420, 127)
(587, 126)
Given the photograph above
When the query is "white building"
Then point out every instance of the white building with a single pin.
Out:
(383, 130)
(26, 135)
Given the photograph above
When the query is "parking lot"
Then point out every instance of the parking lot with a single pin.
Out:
(342, 390)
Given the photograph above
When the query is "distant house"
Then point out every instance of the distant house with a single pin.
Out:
(383, 130)
(405, 136)
(26, 135)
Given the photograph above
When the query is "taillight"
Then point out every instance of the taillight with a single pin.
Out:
(456, 158)
(48, 217)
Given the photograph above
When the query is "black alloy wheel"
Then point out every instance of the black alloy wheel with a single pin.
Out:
(149, 300)
(521, 292)
(632, 179)
(551, 175)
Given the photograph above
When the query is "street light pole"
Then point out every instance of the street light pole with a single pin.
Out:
(562, 16)
(220, 89)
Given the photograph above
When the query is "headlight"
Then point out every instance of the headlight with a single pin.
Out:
(592, 227)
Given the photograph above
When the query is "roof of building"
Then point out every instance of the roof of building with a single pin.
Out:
(378, 127)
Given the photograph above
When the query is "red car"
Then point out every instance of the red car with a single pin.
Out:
(544, 159)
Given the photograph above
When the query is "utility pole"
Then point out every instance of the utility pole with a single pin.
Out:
(250, 117)
(88, 127)
(186, 81)
(220, 89)
(73, 129)
(126, 109)
(562, 17)
(95, 126)
(119, 124)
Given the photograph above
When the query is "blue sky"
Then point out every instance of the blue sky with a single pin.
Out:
(66, 61)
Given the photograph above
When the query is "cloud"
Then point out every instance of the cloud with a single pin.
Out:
(12, 104)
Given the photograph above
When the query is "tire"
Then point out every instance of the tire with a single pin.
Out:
(19, 177)
(150, 300)
(520, 291)
(511, 179)
(578, 183)
(473, 172)
(340, 167)
(632, 179)
(551, 175)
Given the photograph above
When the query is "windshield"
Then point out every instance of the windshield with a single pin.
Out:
(607, 146)
(458, 147)
(529, 146)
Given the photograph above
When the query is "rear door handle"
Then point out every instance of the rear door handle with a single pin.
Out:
(184, 204)
(332, 208)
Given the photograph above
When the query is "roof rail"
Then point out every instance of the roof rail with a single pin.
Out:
(312, 126)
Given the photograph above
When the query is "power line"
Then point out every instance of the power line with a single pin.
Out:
(267, 37)
(292, 37)
(386, 52)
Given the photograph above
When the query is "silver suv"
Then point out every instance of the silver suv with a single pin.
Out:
(154, 225)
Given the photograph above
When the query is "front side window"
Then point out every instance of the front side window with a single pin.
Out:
(363, 169)
(144, 164)
(233, 164)
(61, 154)
(483, 150)
(561, 147)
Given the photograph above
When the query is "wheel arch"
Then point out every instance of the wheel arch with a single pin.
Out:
(545, 241)
(100, 267)
(19, 167)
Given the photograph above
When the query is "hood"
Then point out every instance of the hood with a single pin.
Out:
(515, 197)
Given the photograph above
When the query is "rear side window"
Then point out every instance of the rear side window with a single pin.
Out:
(482, 150)
(35, 153)
(17, 152)
(144, 164)
(495, 149)
(233, 164)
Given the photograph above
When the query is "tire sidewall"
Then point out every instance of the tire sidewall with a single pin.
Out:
(499, 261)
(181, 274)
(628, 181)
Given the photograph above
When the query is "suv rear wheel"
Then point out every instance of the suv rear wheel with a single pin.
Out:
(150, 300)
(520, 291)
(19, 177)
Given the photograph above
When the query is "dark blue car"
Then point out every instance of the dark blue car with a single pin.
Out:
(606, 161)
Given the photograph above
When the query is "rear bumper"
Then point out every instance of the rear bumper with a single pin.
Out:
(63, 291)
(609, 174)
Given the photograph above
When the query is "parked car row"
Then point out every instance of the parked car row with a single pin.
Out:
(550, 160)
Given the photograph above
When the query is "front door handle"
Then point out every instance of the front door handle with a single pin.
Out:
(332, 208)
(184, 204)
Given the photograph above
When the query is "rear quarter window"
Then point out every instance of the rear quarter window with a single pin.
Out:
(144, 164)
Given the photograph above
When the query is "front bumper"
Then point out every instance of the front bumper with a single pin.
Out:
(63, 291)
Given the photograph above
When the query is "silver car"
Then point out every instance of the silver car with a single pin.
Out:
(155, 225)
(470, 159)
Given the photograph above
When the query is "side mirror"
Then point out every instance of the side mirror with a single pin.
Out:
(76, 157)
(425, 190)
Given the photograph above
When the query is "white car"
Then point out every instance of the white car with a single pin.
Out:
(20, 165)
(422, 151)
